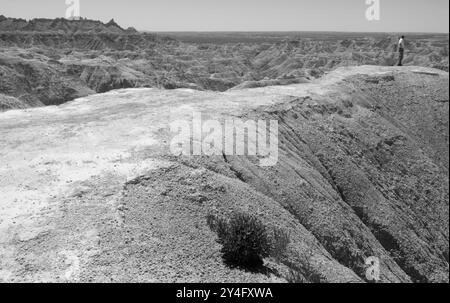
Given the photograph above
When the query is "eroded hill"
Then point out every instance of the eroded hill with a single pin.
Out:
(90, 191)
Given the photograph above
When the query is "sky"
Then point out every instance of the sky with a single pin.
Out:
(248, 15)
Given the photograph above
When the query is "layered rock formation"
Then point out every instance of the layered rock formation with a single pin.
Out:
(61, 26)
(90, 191)
(54, 61)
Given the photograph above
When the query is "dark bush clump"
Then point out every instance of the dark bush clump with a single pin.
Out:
(244, 239)
(246, 242)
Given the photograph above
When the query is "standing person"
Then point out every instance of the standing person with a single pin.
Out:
(401, 50)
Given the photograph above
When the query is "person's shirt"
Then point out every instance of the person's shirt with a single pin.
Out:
(401, 43)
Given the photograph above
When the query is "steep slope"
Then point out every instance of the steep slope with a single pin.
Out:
(90, 191)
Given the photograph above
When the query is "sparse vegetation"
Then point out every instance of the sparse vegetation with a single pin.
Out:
(309, 273)
(295, 277)
(246, 241)
(278, 244)
(304, 272)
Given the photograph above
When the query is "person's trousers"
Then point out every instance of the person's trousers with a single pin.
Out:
(401, 53)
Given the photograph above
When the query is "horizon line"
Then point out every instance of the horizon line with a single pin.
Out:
(230, 31)
(288, 31)
(233, 31)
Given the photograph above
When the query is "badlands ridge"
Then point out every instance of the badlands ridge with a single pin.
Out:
(90, 192)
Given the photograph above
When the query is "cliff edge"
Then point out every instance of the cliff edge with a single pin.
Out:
(90, 192)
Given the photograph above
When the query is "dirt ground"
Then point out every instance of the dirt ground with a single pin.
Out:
(90, 192)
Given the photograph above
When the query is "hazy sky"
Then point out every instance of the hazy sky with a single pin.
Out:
(248, 15)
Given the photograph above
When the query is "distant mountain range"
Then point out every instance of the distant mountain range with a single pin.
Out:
(65, 33)
(62, 25)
